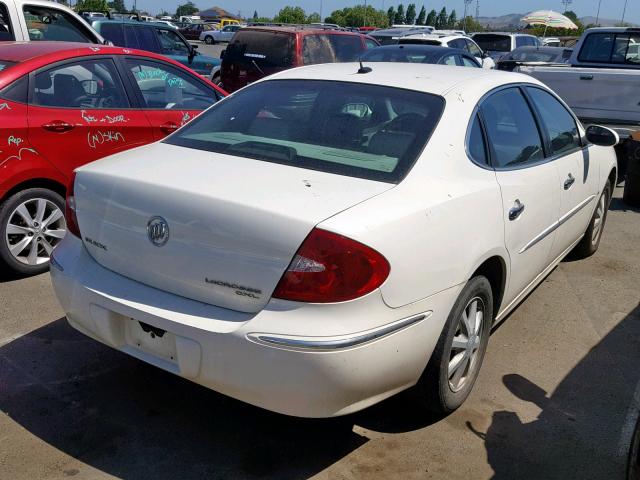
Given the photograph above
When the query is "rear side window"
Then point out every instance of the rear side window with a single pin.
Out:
(367, 131)
(266, 49)
(18, 91)
(512, 130)
(114, 33)
(330, 48)
(611, 48)
(45, 23)
(560, 125)
(476, 145)
(142, 38)
(6, 29)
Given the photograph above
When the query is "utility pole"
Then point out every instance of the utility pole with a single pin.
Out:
(466, 5)
(477, 10)
(598, 14)
(321, 20)
(566, 4)
(624, 10)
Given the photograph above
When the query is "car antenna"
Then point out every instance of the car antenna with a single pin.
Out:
(362, 68)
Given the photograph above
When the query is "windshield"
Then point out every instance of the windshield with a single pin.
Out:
(402, 55)
(266, 49)
(493, 42)
(353, 129)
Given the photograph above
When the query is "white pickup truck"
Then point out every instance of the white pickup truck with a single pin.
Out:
(601, 80)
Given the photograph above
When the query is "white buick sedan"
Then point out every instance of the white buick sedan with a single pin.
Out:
(332, 235)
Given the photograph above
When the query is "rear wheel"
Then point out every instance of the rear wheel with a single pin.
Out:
(31, 224)
(591, 240)
(209, 40)
(455, 363)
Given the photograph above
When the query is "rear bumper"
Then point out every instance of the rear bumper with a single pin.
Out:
(291, 358)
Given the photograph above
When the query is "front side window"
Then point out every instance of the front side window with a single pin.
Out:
(473, 49)
(560, 125)
(330, 48)
(45, 23)
(370, 43)
(467, 62)
(88, 84)
(167, 88)
(6, 29)
(449, 60)
(353, 129)
(511, 128)
(171, 43)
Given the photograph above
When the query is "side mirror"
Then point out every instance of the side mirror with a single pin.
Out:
(485, 55)
(602, 136)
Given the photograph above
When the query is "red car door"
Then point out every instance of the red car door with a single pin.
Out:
(171, 96)
(80, 112)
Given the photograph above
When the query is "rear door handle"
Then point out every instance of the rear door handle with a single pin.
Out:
(517, 209)
(169, 127)
(58, 126)
(586, 76)
(569, 181)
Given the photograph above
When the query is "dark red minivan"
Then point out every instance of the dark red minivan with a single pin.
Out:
(255, 52)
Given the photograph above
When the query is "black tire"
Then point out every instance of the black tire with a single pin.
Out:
(6, 210)
(589, 245)
(435, 390)
(209, 40)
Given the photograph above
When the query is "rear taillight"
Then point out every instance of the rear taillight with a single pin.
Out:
(70, 208)
(331, 268)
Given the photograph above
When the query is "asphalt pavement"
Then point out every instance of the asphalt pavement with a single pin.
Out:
(558, 397)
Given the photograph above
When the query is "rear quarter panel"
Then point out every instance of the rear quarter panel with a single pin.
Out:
(440, 223)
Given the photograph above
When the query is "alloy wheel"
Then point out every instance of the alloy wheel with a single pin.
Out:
(466, 342)
(598, 219)
(35, 227)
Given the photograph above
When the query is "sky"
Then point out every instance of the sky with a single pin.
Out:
(611, 9)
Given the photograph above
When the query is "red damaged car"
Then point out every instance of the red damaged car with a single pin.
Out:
(66, 104)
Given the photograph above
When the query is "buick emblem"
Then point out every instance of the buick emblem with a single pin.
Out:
(158, 231)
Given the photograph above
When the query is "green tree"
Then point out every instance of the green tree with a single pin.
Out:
(314, 18)
(441, 19)
(255, 15)
(391, 15)
(355, 17)
(118, 6)
(470, 25)
(399, 18)
(453, 20)
(92, 5)
(186, 9)
(410, 17)
(431, 18)
(291, 15)
(421, 16)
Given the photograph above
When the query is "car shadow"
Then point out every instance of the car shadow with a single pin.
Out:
(135, 421)
(617, 204)
(603, 386)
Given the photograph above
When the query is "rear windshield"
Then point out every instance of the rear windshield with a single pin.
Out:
(267, 49)
(386, 39)
(534, 56)
(331, 48)
(492, 42)
(611, 48)
(367, 131)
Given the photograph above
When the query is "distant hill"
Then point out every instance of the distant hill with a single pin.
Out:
(512, 21)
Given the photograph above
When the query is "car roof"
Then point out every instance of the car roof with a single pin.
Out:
(126, 21)
(33, 55)
(299, 30)
(421, 77)
(510, 34)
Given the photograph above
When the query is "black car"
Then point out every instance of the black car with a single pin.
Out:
(421, 54)
(533, 56)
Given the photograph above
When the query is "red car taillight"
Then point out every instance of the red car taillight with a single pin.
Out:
(70, 209)
(331, 268)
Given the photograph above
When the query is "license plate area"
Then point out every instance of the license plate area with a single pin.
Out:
(151, 340)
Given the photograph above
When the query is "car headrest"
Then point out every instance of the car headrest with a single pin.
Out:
(43, 81)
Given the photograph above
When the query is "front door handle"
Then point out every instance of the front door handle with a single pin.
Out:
(586, 77)
(169, 127)
(57, 126)
(517, 209)
(569, 181)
